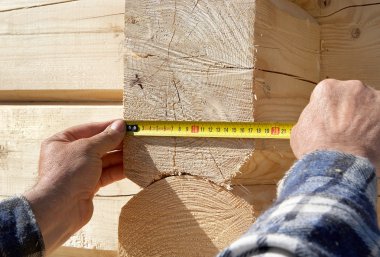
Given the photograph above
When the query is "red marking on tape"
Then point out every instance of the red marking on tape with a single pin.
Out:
(275, 131)
(194, 129)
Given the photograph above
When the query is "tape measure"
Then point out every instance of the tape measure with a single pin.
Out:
(276, 130)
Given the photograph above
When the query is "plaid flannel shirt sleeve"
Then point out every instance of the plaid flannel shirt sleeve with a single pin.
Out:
(325, 207)
(20, 235)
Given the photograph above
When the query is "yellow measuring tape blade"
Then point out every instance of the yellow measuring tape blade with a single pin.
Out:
(276, 130)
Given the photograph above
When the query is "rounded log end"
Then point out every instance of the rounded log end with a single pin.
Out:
(182, 216)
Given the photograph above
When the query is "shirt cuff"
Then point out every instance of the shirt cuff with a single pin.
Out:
(330, 173)
(20, 234)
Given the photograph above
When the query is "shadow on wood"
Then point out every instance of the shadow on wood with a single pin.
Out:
(213, 159)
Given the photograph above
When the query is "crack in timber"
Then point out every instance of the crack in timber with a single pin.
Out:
(347, 7)
(37, 6)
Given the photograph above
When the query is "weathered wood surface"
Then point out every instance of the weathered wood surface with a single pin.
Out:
(74, 47)
(350, 38)
(215, 60)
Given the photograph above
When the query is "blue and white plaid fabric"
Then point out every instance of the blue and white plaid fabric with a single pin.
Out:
(325, 207)
(19, 233)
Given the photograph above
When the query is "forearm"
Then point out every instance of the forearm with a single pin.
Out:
(53, 214)
(19, 233)
(325, 207)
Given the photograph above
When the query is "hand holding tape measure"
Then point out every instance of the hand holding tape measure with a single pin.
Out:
(274, 130)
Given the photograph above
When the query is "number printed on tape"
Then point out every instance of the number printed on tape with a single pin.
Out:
(275, 130)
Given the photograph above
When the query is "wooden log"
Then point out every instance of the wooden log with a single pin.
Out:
(214, 60)
(74, 62)
(22, 129)
(61, 17)
(209, 60)
(185, 207)
(350, 46)
(268, 164)
(61, 50)
(10, 5)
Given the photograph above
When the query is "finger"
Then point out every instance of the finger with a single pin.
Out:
(120, 146)
(111, 174)
(81, 131)
(109, 139)
(111, 159)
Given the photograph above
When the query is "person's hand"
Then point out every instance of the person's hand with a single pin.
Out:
(342, 116)
(73, 165)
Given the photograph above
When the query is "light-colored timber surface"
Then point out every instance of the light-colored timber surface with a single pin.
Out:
(220, 61)
(74, 47)
(184, 207)
(350, 44)
(61, 64)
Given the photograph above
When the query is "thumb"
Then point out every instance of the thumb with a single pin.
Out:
(108, 139)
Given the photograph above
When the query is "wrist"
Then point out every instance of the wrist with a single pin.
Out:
(349, 149)
(53, 215)
(341, 147)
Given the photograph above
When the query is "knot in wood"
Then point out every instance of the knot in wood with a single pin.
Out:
(355, 33)
(324, 3)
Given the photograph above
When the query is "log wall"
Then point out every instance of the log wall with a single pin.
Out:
(61, 64)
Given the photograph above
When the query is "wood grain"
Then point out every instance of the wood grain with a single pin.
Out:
(11, 5)
(325, 8)
(83, 96)
(180, 216)
(279, 47)
(268, 164)
(351, 45)
(62, 17)
(24, 127)
(68, 46)
(75, 252)
(215, 60)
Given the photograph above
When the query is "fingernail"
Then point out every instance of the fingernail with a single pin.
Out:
(118, 126)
